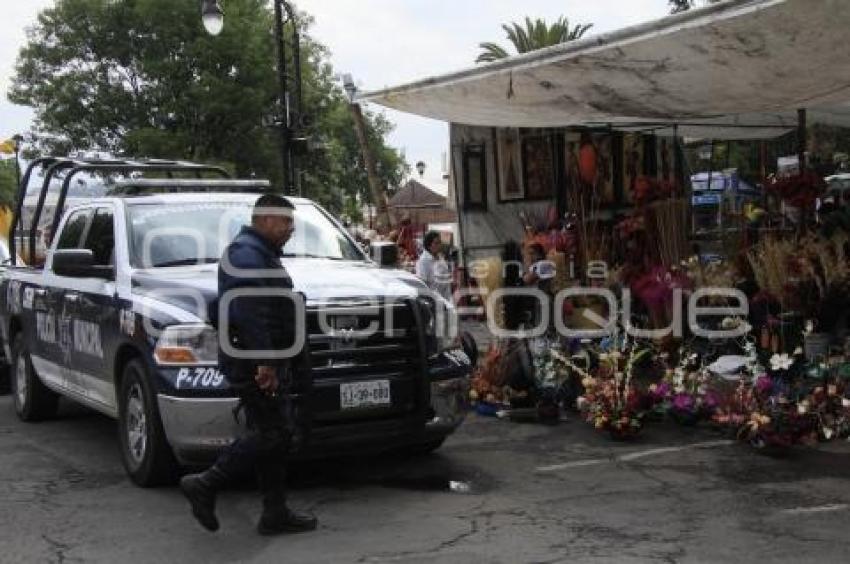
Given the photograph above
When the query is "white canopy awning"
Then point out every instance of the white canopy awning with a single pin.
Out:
(738, 69)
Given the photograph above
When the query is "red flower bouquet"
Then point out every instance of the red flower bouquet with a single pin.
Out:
(800, 190)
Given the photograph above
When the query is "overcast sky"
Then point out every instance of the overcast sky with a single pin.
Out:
(382, 43)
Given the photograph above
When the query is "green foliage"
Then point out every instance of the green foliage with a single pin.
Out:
(535, 35)
(8, 183)
(142, 78)
(677, 6)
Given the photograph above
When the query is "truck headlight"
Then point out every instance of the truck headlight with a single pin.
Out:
(187, 344)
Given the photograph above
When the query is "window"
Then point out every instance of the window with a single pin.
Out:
(100, 239)
(474, 177)
(72, 233)
(205, 229)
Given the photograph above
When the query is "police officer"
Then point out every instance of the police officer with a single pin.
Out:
(265, 323)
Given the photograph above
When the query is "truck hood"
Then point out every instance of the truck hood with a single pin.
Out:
(319, 280)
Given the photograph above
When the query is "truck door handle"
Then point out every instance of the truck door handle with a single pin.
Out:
(72, 298)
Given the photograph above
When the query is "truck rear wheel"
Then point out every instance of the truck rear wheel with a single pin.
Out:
(145, 452)
(33, 400)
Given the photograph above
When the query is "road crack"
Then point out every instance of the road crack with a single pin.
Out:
(59, 550)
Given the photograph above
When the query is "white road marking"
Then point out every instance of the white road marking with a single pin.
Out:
(632, 456)
(656, 451)
(576, 464)
(817, 509)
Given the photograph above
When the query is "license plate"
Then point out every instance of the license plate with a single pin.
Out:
(355, 395)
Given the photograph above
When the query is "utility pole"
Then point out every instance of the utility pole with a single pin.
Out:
(18, 139)
(379, 195)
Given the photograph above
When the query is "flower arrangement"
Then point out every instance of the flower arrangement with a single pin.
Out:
(488, 391)
(773, 263)
(763, 410)
(552, 371)
(800, 190)
(828, 404)
(551, 368)
(612, 401)
(810, 275)
(690, 397)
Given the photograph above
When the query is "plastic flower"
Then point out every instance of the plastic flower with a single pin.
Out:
(729, 323)
(660, 391)
(764, 384)
(711, 400)
(757, 420)
(781, 362)
(683, 402)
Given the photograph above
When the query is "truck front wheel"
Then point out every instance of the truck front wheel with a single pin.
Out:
(145, 452)
(33, 400)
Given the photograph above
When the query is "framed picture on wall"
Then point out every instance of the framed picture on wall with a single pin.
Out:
(474, 177)
(538, 167)
(509, 165)
(600, 145)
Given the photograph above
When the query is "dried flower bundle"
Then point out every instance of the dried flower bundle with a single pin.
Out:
(667, 227)
(772, 260)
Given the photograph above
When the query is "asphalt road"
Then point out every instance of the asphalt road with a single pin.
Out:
(536, 494)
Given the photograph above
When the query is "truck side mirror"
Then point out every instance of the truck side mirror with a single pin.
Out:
(78, 263)
(385, 253)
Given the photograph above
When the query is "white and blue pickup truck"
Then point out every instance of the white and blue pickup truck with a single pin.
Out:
(117, 319)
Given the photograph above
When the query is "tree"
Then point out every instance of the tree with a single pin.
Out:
(535, 35)
(142, 78)
(8, 184)
(677, 6)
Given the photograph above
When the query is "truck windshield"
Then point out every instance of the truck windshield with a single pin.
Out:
(163, 235)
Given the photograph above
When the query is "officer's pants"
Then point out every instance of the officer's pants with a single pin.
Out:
(264, 448)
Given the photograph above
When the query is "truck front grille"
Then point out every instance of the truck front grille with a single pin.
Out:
(360, 345)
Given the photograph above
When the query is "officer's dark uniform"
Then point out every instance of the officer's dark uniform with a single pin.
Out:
(254, 324)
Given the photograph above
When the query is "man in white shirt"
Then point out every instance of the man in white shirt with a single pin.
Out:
(433, 269)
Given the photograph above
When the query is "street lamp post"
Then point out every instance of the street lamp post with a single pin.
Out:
(289, 109)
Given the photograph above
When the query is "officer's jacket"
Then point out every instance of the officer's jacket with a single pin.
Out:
(264, 323)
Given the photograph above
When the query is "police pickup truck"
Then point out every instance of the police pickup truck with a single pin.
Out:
(117, 319)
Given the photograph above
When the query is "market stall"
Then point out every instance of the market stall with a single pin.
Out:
(567, 173)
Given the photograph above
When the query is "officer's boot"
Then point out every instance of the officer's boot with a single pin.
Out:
(200, 490)
(277, 518)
